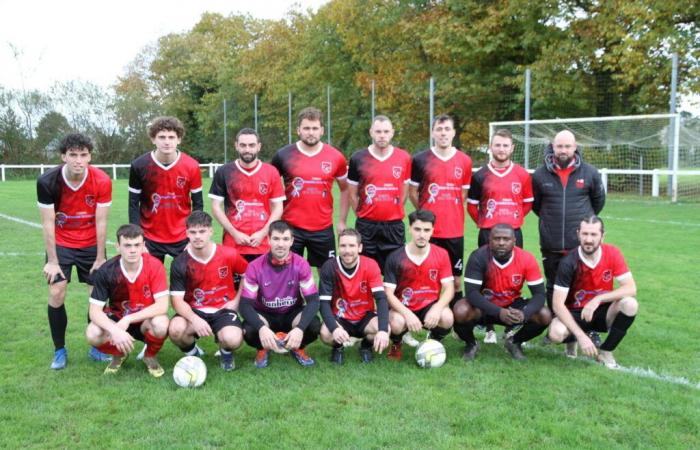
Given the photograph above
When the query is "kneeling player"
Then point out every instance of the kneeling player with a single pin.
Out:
(274, 289)
(133, 288)
(349, 286)
(493, 283)
(201, 285)
(419, 273)
(584, 299)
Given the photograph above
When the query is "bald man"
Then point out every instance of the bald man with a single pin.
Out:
(566, 190)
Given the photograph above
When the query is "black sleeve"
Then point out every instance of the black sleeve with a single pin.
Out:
(475, 187)
(597, 192)
(382, 310)
(44, 193)
(474, 276)
(567, 269)
(177, 275)
(250, 315)
(276, 161)
(309, 311)
(218, 184)
(327, 314)
(134, 208)
(536, 302)
(353, 174)
(392, 269)
(325, 292)
(100, 287)
(417, 172)
(197, 201)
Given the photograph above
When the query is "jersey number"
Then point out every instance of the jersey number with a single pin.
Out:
(458, 264)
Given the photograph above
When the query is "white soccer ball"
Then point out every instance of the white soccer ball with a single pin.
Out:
(190, 372)
(430, 354)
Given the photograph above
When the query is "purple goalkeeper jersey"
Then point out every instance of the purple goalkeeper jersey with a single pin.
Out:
(278, 289)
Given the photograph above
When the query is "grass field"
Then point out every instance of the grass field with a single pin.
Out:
(547, 401)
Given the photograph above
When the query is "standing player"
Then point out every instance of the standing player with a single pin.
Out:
(161, 183)
(493, 283)
(378, 187)
(349, 286)
(585, 298)
(251, 193)
(420, 275)
(74, 200)
(308, 168)
(204, 297)
(275, 287)
(129, 301)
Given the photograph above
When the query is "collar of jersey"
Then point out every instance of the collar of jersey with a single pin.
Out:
(507, 263)
(378, 158)
(500, 174)
(342, 268)
(248, 172)
(160, 164)
(126, 274)
(596, 257)
(440, 157)
(413, 259)
(74, 189)
(203, 261)
(312, 154)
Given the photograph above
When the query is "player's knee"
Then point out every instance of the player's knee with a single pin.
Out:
(94, 335)
(57, 294)
(326, 335)
(177, 328)
(372, 327)
(397, 322)
(446, 318)
(629, 306)
(460, 311)
(543, 316)
(557, 331)
(159, 326)
(230, 337)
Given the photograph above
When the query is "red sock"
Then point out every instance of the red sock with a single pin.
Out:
(110, 349)
(153, 344)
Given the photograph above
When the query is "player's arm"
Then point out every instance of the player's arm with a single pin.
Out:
(217, 211)
(537, 300)
(101, 213)
(474, 276)
(308, 290)
(564, 316)
(413, 194)
(48, 227)
(276, 209)
(447, 292)
(239, 268)
(473, 210)
(405, 189)
(196, 190)
(473, 198)
(627, 288)
(177, 297)
(158, 308)
(344, 202)
(135, 187)
(119, 337)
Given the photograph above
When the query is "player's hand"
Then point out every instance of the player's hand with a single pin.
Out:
(267, 338)
(587, 346)
(201, 327)
(294, 337)
(504, 316)
(124, 323)
(381, 341)
(517, 315)
(241, 238)
(340, 335)
(122, 340)
(51, 270)
(413, 323)
(257, 238)
(589, 309)
(432, 317)
(340, 226)
(97, 264)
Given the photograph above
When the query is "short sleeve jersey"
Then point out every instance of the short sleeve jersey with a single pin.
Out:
(123, 295)
(502, 284)
(74, 207)
(278, 289)
(380, 183)
(247, 195)
(350, 294)
(500, 195)
(165, 194)
(308, 181)
(206, 285)
(441, 184)
(582, 280)
(417, 283)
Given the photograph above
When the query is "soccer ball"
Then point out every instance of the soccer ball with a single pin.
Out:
(430, 353)
(190, 372)
(280, 336)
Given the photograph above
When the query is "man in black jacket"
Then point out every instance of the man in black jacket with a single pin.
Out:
(566, 190)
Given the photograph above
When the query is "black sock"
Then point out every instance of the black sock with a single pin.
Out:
(465, 331)
(396, 338)
(336, 345)
(439, 333)
(617, 331)
(457, 296)
(528, 331)
(58, 322)
(189, 348)
(366, 343)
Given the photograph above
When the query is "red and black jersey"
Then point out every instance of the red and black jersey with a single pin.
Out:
(583, 280)
(206, 285)
(441, 184)
(350, 294)
(123, 295)
(417, 283)
(308, 180)
(500, 195)
(165, 194)
(380, 183)
(74, 206)
(247, 195)
(502, 284)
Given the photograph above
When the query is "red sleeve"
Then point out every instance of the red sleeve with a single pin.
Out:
(473, 211)
(239, 264)
(276, 183)
(445, 267)
(342, 166)
(196, 176)
(528, 195)
(407, 170)
(374, 275)
(532, 269)
(619, 264)
(467, 175)
(158, 280)
(105, 192)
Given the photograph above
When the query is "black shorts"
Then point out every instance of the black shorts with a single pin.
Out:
(455, 249)
(379, 239)
(134, 328)
(222, 318)
(423, 311)
(484, 237)
(160, 249)
(280, 322)
(357, 328)
(81, 258)
(485, 320)
(320, 245)
(598, 323)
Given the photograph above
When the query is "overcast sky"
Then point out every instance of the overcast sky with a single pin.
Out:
(94, 40)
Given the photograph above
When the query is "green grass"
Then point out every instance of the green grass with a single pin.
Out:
(545, 402)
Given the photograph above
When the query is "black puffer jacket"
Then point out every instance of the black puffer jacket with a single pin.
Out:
(561, 209)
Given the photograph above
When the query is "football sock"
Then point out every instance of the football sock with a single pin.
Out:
(190, 350)
(366, 343)
(396, 338)
(153, 344)
(439, 333)
(58, 322)
(465, 331)
(617, 331)
(528, 331)
(109, 349)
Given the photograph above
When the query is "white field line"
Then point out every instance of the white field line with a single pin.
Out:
(654, 221)
(3, 254)
(30, 224)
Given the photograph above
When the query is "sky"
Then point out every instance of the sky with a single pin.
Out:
(93, 40)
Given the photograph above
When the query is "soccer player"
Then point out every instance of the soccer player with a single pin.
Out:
(308, 168)
(161, 183)
(418, 282)
(585, 298)
(203, 294)
(349, 286)
(275, 288)
(129, 302)
(74, 200)
(378, 187)
(493, 284)
(251, 193)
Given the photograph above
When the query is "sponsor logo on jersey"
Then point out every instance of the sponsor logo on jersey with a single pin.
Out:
(90, 200)
(433, 273)
(517, 279)
(199, 296)
(580, 183)
(341, 305)
(396, 171)
(406, 296)
(180, 182)
(262, 188)
(223, 272)
(61, 219)
(607, 275)
(146, 291)
(458, 172)
(516, 187)
(326, 166)
(363, 287)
